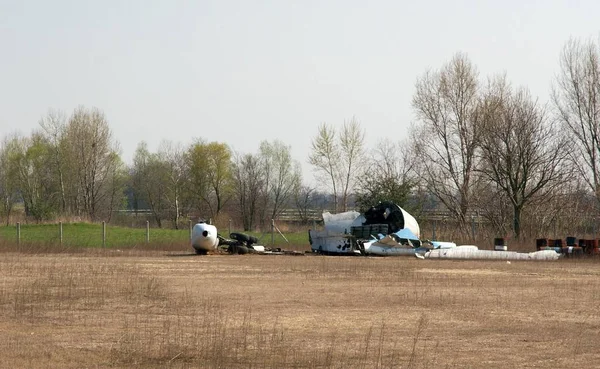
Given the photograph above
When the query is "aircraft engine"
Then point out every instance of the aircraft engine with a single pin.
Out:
(204, 238)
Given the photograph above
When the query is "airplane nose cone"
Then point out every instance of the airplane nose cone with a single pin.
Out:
(204, 237)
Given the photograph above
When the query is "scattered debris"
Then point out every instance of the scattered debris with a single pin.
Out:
(206, 239)
(387, 229)
(473, 252)
(570, 246)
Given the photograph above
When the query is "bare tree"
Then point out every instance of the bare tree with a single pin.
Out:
(267, 168)
(282, 175)
(249, 178)
(53, 126)
(172, 157)
(93, 160)
(352, 138)
(116, 186)
(149, 177)
(576, 96)
(326, 158)
(495, 207)
(447, 139)
(521, 150)
(303, 199)
(338, 158)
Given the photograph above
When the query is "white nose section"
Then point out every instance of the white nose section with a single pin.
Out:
(204, 237)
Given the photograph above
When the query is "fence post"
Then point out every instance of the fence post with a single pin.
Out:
(433, 236)
(18, 233)
(103, 234)
(272, 231)
(60, 232)
(473, 227)
(229, 226)
(190, 221)
(147, 231)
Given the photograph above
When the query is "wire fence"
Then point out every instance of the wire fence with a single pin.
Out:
(104, 235)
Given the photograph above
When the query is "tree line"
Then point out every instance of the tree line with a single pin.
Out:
(485, 145)
(70, 167)
(479, 145)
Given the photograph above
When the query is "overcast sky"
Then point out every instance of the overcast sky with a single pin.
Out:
(244, 71)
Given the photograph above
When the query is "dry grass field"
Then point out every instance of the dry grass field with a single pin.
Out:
(167, 309)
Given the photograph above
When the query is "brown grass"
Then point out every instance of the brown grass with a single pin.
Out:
(157, 309)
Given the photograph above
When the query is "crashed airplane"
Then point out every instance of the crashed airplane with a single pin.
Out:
(387, 229)
(205, 239)
(384, 229)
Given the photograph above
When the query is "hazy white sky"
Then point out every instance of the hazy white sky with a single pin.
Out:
(243, 71)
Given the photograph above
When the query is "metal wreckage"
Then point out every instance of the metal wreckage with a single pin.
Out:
(205, 239)
(386, 229)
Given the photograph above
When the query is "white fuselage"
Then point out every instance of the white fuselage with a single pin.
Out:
(334, 239)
